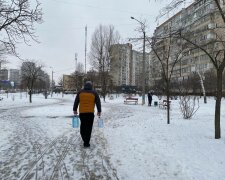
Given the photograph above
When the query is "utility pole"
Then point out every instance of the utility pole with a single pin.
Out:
(143, 65)
(52, 82)
(75, 62)
(143, 60)
(76, 73)
(85, 48)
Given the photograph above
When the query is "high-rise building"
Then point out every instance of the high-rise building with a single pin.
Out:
(126, 66)
(120, 64)
(3, 74)
(137, 58)
(202, 21)
(14, 76)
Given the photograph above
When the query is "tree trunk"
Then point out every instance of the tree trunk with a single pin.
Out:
(30, 96)
(104, 87)
(218, 104)
(168, 104)
(203, 87)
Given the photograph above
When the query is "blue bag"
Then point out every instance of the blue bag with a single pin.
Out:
(75, 122)
(100, 122)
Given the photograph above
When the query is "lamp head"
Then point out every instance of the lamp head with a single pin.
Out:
(132, 17)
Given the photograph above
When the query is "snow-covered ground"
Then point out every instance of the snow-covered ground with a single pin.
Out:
(38, 142)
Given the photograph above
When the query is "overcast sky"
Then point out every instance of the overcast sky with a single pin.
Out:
(62, 34)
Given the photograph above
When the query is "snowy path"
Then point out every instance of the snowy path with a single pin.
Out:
(38, 142)
(30, 153)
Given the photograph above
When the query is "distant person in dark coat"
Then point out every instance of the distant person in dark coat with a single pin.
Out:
(87, 99)
(149, 98)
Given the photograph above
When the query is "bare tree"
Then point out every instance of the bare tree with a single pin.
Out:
(102, 39)
(42, 84)
(210, 81)
(30, 74)
(202, 85)
(216, 55)
(77, 77)
(77, 80)
(188, 106)
(80, 67)
(17, 19)
(60, 81)
(193, 83)
(93, 76)
(215, 50)
(168, 52)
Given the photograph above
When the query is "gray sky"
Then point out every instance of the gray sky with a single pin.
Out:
(62, 34)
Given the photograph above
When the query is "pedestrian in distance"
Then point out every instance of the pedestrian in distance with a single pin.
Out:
(86, 99)
(149, 98)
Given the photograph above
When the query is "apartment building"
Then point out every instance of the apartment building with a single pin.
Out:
(121, 64)
(137, 58)
(4, 74)
(69, 83)
(126, 66)
(201, 19)
(14, 76)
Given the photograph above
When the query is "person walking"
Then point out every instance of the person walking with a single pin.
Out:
(149, 98)
(86, 99)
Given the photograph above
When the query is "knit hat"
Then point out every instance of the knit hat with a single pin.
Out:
(88, 85)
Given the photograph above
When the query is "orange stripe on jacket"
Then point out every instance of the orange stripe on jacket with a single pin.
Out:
(87, 102)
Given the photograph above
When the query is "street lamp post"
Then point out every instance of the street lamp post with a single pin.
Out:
(143, 60)
(52, 82)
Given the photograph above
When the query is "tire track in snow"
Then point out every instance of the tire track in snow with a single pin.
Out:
(23, 142)
(47, 151)
(55, 159)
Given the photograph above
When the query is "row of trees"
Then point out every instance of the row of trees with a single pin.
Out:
(192, 84)
(34, 78)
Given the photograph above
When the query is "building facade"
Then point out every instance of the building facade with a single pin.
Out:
(121, 64)
(4, 74)
(126, 66)
(14, 76)
(69, 83)
(201, 21)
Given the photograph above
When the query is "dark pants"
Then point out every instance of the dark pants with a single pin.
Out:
(86, 124)
(149, 101)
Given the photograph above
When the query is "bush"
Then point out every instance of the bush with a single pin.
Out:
(188, 106)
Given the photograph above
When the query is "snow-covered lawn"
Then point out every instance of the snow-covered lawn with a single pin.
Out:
(136, 142)
(144, 146)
